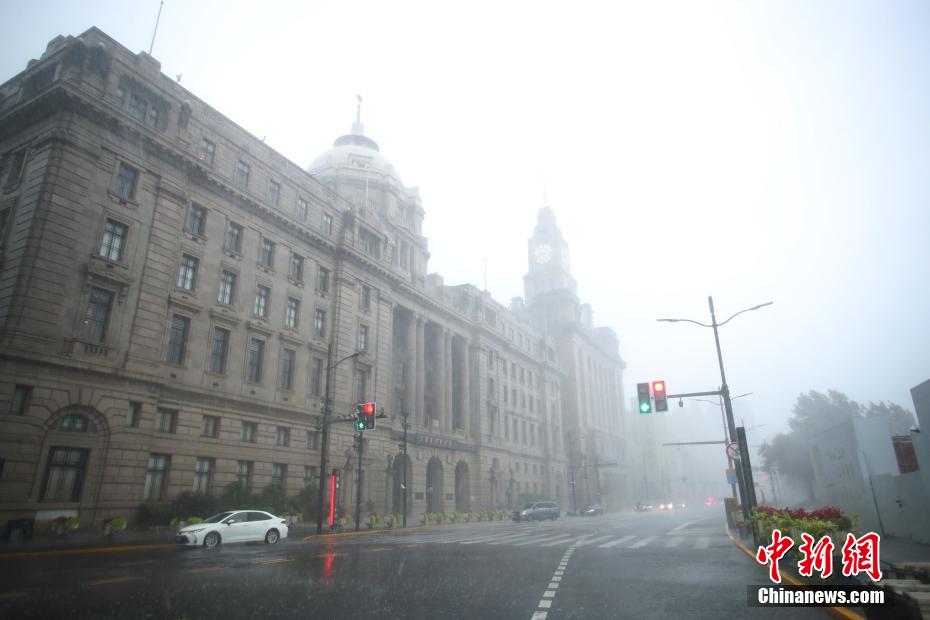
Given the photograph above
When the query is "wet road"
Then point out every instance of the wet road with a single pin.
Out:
(637, 565)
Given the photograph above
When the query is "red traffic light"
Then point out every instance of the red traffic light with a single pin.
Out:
(368, 409)
(660, 394)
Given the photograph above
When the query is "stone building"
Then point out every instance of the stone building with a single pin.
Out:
(171, 289)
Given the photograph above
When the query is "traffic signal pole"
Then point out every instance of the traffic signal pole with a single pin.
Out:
(358, 482)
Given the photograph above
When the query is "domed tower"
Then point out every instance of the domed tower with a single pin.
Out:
(355, 169)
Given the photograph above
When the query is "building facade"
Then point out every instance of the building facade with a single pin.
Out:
(171, 289)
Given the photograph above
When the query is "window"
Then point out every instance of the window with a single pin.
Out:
(301, 210)
(155, 476)
(74, 422)
(249, 431)
(364, 300)
(316, 376)
(261, 301)
(312, 438)
(274, 192)
(137, 106)
(65, 475)
(218, 350)
(492, 392)
(196, 220)
(327, 224)
(288, 361)
(309, 475)
(133, 413)
(369, 243)
(242, 173)
(97, 316)
(279, 475)
(207, 151)
(361, 383)
(507, 428)
(166, 420)
(256, 359)
(114, 239)
(297, 267)
(319, 323)
(211, 426)
(516, 430)
(523, 426)
(177, 339)
(322, 281)
(152, 117)
(362, 337)
(187, 274)
(21, 396)
(202, 475)
(244, 473)
(266, 255)
(283, 436)
(126, 182)
(227, 288)
(293, 313)
(234, 238)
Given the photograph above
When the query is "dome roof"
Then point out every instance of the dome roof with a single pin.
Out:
(352, 153)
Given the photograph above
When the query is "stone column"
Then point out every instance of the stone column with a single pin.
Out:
(421, 371)
(467, 420)
(447, 343)
(440, 388)
(410, 365)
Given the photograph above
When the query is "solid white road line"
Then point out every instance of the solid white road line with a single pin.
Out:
(681, 527)
(614, 543)
(591, 541)
(537, 540)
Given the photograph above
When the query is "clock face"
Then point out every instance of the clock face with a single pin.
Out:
(543, 253)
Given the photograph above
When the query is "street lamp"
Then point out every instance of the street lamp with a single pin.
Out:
(724, 389)
(324, 440)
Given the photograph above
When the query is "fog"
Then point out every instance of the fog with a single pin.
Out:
(750, 151)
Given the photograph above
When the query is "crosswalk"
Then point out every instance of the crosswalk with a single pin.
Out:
(678, 540)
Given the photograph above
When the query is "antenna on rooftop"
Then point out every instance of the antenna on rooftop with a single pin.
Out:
(157, 19)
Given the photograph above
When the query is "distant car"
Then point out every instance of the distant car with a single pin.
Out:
(667, 506)
(233, 527)
(641, 507)
(537, 511)
(592, 510)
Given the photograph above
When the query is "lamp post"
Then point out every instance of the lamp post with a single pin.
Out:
(726, 434)
(724, 388)
(324, 440)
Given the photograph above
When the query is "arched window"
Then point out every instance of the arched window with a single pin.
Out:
(74, 422)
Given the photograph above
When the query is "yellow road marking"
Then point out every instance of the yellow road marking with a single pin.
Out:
(88, 551)
(413, 545)
(112, 580)
(279, 561)
(373, 549)
(8, 595)
(328, 555)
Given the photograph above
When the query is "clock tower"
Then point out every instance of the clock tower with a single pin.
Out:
(550, 290)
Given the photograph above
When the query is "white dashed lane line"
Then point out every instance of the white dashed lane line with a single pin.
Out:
(545, 603)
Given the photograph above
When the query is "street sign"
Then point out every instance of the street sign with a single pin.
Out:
(731, 476)
(733, 451)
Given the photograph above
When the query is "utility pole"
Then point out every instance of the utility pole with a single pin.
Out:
(324, 430)
(404, 488)
(358, 481)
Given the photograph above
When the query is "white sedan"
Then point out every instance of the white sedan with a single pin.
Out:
(234, 526)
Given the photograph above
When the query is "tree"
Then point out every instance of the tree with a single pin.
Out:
(788, 454)
(902, 420)
(815, 412)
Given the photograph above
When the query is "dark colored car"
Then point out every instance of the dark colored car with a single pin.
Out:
(537, 511)
(592, 510)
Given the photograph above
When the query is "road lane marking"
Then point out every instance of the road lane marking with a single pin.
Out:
(376, 549)
(11, 595)
(642, 543)
(539, 615)
(328, 555)
(278, 561)
(681, 527)
(559, 573)
(409, 546)
(614, 543)
(549, 594)
(674, 541)
(511, 538)
(545, 603)
(702, 542)
(553, 585)
(557, 542)
(537, 540)
(493, 539)
(112, 580)
(90, 551)
(203, 569)
(591, 541)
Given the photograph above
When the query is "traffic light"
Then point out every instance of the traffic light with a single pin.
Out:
(366, 416)
(645, 403)
(661, 396)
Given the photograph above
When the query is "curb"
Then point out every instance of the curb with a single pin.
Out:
(395, 530)
(837, 612)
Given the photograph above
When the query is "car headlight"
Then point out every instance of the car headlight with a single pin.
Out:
(195, 531)
(525, 513)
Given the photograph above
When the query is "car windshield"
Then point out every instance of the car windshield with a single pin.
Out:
(217, 518)
(528, 506)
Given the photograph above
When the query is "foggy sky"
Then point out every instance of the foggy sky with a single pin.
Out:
(752, 151)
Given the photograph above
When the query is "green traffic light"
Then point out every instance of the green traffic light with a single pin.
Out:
(645, 407)
(359, 426)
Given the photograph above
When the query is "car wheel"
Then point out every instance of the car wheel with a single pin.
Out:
(211, 540)
(271, 537)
